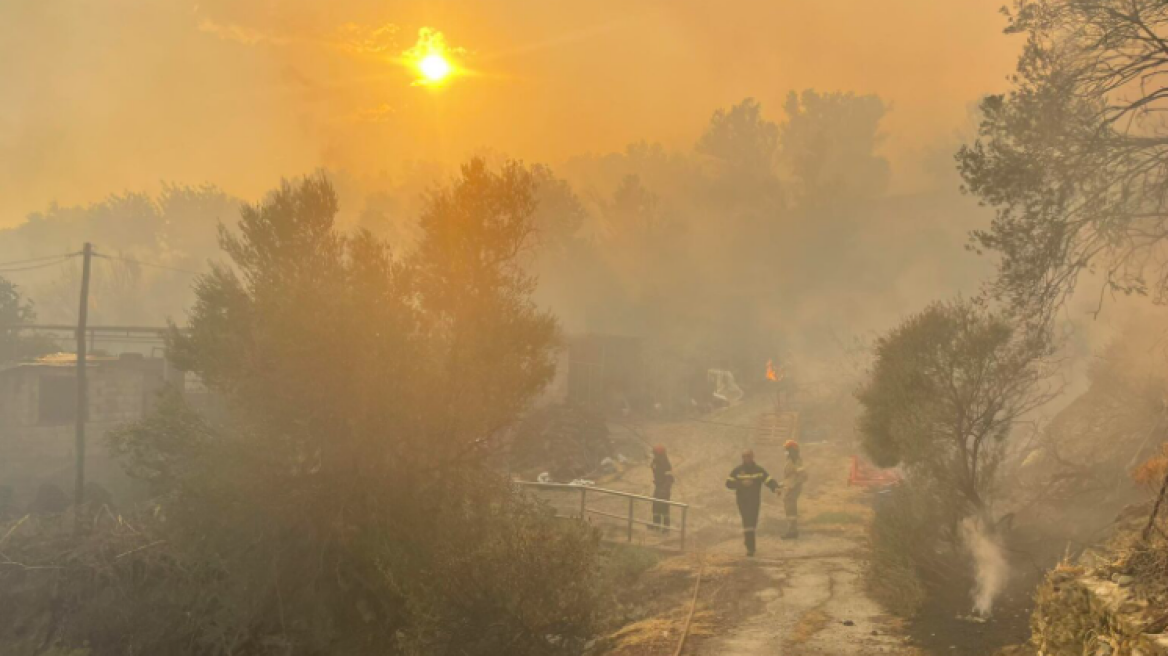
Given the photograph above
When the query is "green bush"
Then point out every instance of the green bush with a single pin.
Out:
(624, 564)
(911, 542)
(344, 503)
(497, 575)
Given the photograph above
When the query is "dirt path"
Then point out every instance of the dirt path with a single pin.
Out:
(795, 597)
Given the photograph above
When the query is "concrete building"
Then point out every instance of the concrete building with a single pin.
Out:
(38, 406)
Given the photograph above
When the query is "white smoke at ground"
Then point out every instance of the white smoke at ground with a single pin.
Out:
(990, 566)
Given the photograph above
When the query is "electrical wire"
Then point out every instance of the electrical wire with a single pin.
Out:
(32, 267)
(39, 259)
(147, 264)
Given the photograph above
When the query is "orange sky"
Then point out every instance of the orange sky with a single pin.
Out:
(101, 96)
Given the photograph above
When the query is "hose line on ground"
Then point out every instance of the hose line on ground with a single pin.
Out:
(693, 604)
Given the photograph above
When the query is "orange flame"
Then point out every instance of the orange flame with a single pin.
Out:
(771, 375)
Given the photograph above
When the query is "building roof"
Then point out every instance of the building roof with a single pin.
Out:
(69, 361)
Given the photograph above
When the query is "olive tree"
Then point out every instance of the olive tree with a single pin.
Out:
(342, 502)
(946, 388)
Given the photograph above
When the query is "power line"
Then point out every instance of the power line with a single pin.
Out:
(39, 259)
(31, 267)
(147, 264)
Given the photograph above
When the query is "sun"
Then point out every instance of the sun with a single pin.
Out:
(434, 68)
(432, 59)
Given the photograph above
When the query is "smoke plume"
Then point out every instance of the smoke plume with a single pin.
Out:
(990, 566)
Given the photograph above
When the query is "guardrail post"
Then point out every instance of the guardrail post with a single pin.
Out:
(631, 500)
(683, 512)
(583, 507)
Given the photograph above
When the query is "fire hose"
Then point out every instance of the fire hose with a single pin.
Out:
(693, 604)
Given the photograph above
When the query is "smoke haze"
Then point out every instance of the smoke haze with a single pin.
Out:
(109, 95)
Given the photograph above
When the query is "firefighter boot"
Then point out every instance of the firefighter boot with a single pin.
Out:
(748, 535)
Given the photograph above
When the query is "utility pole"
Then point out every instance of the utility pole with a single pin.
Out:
(82, 389)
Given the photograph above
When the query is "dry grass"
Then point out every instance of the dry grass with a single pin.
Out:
(809, 624)
(728, 595)
(657, 603)
(653, 635)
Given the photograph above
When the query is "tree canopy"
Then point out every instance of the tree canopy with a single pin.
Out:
(1074, 158)
(342, 502)
(828, 145)
(945, 391)
(15, 310)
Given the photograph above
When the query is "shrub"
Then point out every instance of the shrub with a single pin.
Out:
(911, 539)
(344, 503)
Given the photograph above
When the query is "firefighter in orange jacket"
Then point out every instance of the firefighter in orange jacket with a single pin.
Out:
(747, 481)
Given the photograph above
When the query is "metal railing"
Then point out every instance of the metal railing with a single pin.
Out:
(630, 519)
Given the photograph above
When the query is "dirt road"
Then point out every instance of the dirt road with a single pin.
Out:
(795, 597)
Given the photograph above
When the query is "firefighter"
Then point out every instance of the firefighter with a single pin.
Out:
(747, 481)
(794, 476)
(662, 487)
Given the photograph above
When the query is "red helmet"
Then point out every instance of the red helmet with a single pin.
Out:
(791, 444)
(659, 449)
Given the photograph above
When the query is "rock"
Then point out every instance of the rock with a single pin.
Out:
(849, 623)
(1130, 607)
(1124, 580)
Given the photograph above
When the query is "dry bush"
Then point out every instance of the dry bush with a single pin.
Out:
(1150, 473)
(505, 579)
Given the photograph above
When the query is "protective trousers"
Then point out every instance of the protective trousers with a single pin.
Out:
(791, 506)
(748, 508)
(661, 510)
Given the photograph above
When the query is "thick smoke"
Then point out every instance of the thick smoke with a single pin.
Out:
(110, 96)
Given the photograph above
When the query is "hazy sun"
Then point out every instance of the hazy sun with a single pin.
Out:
(434, 67)
(433, 60)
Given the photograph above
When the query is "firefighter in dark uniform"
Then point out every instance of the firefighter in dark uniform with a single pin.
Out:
(747, 481)
(794, 476)
(662, 487)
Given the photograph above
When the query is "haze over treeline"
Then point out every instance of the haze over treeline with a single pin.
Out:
(402, 248)
(774, 232)
(103, 96)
